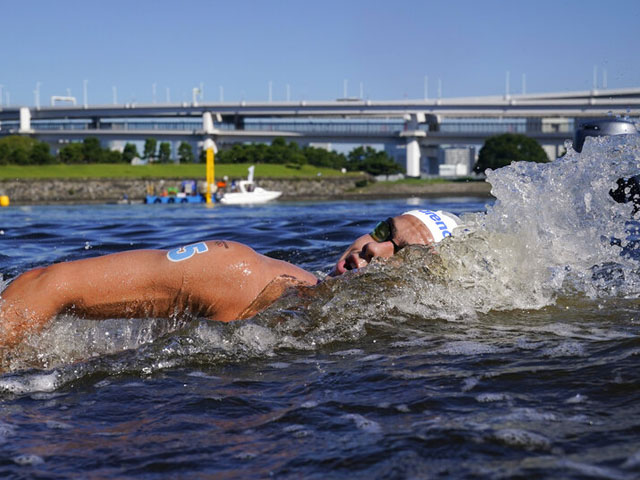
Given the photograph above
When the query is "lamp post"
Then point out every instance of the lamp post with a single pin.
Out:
(36, 93)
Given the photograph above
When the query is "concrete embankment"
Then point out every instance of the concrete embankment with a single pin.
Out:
(30, 191)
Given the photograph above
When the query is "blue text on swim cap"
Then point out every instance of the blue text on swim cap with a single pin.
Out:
(438, 221)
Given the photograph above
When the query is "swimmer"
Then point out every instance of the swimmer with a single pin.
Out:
(219, 280)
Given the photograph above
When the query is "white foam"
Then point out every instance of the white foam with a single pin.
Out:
(258, 338)
(43, 382)
(55, 425)
(279, 365)
(528, 415)
(6, 430)
(493, 397)
(565, 349)
(28, 459)
(550, 225)
(595, 471)
(577, 398)
(363, 423)
(523, 438)
(467, 348)
(348, 353)
(372, 358)
(633, 461)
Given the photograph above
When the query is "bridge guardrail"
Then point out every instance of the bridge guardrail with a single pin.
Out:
(330, 128)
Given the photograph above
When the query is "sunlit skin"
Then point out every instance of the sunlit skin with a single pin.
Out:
(407, 230)
(219, 284)
(226, 281)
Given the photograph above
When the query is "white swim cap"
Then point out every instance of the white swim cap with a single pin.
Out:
(439, 223)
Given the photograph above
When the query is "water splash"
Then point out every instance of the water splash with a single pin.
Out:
(547, 240)
(564, 216)
(548, 236)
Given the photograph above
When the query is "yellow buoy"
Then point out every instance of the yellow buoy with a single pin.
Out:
(4, 200)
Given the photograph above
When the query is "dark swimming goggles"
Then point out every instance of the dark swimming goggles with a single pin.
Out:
(384, 232)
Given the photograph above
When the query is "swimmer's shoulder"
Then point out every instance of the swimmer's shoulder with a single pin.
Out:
(219, 253)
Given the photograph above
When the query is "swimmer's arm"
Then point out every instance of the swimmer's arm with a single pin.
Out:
(126, 284)
(219, 283)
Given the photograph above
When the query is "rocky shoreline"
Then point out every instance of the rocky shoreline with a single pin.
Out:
(32, 191)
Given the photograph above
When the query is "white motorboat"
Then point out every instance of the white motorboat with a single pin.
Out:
(248, 193)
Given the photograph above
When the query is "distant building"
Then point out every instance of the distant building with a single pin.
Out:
(324, 145)
(437, 161)
(456, 161)
(398, 152)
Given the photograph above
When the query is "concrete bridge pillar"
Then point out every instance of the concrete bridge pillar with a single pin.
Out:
(207, 123)
(553, 151)
(413, 157)
(25, 120)
(412, 134)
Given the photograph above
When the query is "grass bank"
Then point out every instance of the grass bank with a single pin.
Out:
(185, 171)
(426, 181)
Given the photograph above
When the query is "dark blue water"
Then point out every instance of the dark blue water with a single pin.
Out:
(381, 375)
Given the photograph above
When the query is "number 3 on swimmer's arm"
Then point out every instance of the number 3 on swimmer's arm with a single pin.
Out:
(183, 253)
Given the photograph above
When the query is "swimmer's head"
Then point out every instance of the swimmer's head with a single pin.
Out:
(439, 224)
(415, 227)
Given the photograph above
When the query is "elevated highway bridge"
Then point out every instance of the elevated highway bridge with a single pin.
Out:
(412, 126)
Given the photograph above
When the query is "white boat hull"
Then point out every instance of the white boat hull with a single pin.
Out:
(259, 195)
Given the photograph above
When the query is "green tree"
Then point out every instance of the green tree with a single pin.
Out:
(369, 160)
(20, 156)
(278, 152)
(185, 152)
(17, 149)
(320, 157)
(150, 148)
(4, 154)
(111, 156)
(281, 152)
(40, 154)
(130, 152)
(71, 153)
(165, 152)
(92, 152)
(500, 150)
(295, 156)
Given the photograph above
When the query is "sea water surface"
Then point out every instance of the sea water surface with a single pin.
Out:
(512, 351)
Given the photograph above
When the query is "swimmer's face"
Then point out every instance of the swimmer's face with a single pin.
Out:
(404, 230)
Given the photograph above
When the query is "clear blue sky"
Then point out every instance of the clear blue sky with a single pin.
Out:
(388, 47)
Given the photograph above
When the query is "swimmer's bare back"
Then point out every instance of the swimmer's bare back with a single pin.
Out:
(219, 280)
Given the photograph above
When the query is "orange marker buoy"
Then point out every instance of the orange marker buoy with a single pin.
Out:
(4, 200)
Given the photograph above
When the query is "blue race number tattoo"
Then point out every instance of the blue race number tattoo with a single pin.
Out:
(183, 253)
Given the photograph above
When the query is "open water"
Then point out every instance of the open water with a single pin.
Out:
(513, 352)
